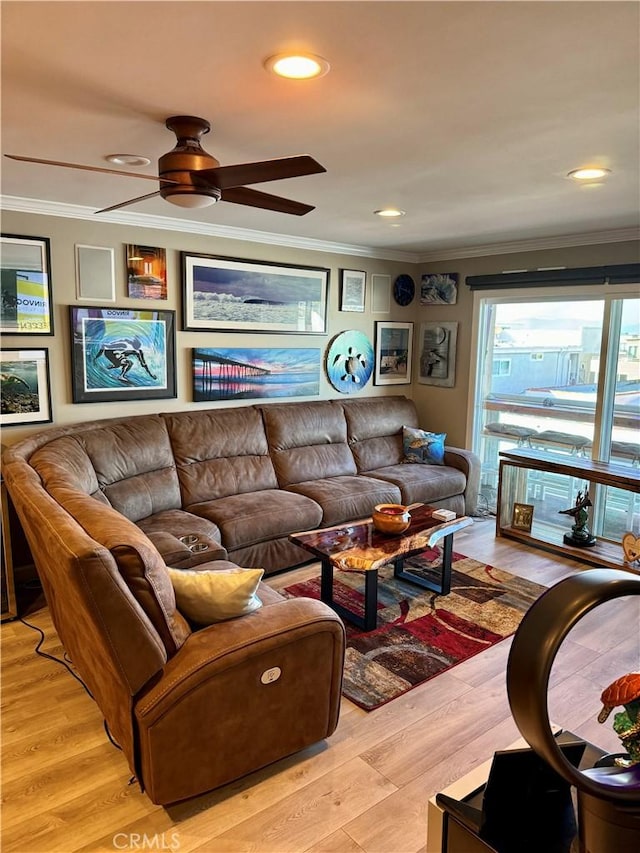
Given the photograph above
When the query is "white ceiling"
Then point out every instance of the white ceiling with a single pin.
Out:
(467, 115)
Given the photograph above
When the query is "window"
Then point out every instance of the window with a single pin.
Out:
(502, 367)
(561, 375)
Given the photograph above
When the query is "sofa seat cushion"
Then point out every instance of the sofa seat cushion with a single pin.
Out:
(259, 516)
(183, 539)
(347, 498)
(422, 483)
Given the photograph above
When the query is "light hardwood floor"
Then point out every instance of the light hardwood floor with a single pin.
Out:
(65, 787)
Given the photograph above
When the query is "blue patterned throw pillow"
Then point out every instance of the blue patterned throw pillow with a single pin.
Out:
(424, 447)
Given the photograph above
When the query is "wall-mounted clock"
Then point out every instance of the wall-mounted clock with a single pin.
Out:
(404, 289)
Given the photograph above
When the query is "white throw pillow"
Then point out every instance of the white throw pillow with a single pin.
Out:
(213, 596)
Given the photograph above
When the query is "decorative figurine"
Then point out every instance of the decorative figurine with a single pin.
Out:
(580, 535)
(626, 724)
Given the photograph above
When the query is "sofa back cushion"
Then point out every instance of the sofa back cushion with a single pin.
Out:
(64, 462)
(220, 453)
(374, 427)
(134, 465)
(308, 441)
(139, 563)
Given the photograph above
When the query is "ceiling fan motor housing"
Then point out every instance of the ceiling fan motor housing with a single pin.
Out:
(183, 163)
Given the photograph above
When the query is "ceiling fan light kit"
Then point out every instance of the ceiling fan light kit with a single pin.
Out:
(191, 178)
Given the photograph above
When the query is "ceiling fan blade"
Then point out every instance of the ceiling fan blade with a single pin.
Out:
(254, 198)
(125, 203)
(88, 168)
(225, 177)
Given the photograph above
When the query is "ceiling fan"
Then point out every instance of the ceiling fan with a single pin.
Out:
(190, 177)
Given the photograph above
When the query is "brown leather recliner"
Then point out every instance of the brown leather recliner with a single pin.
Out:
(192, 709)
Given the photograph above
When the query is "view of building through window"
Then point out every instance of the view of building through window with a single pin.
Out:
(546, 383)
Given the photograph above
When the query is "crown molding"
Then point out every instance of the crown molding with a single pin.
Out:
(619, 235)
(187, 226)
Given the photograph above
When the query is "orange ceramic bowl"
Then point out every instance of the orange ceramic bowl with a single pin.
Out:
(391, 518)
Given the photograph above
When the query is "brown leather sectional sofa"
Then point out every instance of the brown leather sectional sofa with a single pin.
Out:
(104, 505)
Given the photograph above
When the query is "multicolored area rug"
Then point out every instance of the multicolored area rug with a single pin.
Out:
(420, 633)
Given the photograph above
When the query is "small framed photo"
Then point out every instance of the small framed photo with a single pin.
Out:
(122, 354)
(26, 393)
(26, 303)
(522, 518)
(146, 272)
(95, 274)
(352, 287)
(394, 348)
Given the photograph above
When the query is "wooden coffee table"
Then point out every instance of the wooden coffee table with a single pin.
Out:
(359, 547)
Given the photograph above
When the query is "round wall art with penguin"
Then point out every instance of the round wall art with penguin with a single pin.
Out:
(350, 361)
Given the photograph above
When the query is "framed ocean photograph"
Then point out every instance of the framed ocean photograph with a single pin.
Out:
(25, 387)
(237, 373)
(235, 295)
(121, 354)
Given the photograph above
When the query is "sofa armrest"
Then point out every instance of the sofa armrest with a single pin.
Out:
(467, 462)
(177, 554)
(226, 644)
(239, 695)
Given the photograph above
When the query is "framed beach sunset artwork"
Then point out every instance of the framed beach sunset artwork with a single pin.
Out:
(247, 373)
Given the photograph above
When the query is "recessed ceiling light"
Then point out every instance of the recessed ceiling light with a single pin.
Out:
(590, 173)
(389, 212)
(300, 66)
(127, 159)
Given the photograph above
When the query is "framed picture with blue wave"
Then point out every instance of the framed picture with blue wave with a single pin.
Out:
(247, 374)
(237, 295)
(122, 354)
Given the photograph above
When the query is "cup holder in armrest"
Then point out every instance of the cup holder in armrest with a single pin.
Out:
(194, 543)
